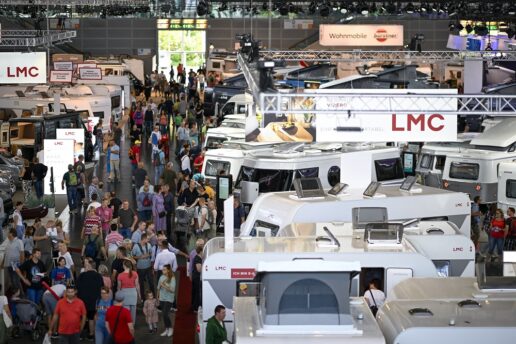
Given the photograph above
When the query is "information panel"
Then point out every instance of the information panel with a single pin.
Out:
(57, 154)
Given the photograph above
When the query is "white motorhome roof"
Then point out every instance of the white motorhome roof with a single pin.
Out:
(501, 135)
(223, 153)
(242, 98)
(477, 154)
(347, 79)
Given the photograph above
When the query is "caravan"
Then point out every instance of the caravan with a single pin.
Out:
(396, 256)
(475, 170)
(279, 209)
(507, 185)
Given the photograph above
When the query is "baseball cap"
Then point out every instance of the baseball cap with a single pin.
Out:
(137, 142)
(119, 296)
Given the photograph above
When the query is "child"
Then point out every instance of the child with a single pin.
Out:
(150, 309)
(104, 271)
(61, 274)
(28, 241)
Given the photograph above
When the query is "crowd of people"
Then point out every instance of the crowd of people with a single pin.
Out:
(128, 257)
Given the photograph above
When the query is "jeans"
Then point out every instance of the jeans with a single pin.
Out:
(498, 243)
(158, 170)
(101, 334)
(115, 170)
(69, 338)
(145, 275)
(20, 231)
(126, 233)
(34, 295)
(165, 311)
(39, 187)
(71, 193)
(144, 215)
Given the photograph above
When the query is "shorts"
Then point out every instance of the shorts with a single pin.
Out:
(90, 314)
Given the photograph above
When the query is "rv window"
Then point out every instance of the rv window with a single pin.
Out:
(440, 160)
(389, 169)
(99, 114)
(510, 188)
(308, 296)
(213, 167)
(268, 180)
(214, 142)
(334, 175)
(215, 65)
(426, 161)
(241, 109)
(307, 173)
(50, 129)
(66, 123)
(228, 109)
(462, 170)
(369, 274)
(274, 228)
(115, 102)
(443, 267)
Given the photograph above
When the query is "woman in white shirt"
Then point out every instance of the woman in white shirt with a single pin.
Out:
(374, 296)
(63, 252)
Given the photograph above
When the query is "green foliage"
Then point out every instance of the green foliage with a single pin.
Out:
(191, 43)
(48, 201)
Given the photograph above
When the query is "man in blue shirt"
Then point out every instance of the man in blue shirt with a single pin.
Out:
(142, 252)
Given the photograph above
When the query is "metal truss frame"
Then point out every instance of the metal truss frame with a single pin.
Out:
(28, 38)
(75, 2)
(395, 56)
(344, 102)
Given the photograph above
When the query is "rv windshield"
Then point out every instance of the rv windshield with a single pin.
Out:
(268, 180)
(115, 102)
(389, 169)
(510, 188)
(463, 170)
(213, 142)
(213, 167)
(426, 161)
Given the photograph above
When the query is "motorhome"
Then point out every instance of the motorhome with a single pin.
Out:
(475, 170)
(312, 76)
(124, 82)
(277, 210)
(29, 133)
(215, 97)
(352, 164)
(302, 301)
(506, 185)
(233, 123)
(390, 256)
(432, 159)
(216, 136)
(114, 92)
(238, 104)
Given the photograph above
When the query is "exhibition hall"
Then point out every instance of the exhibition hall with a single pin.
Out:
(240, 172)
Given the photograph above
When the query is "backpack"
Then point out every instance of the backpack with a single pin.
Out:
(147, 202)
(158, 158)
(72, 179)
(154, 139)
(91, 248)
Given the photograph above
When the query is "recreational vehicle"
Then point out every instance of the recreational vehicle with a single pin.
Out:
(123, 82)
(29, 133)
(432, 158)
(507, 185)
(237, 104)
(279, 209)
(216, 136)
(475, 170)
(312, 76)
(355, 165)
(387, 254)
(114, 92)
(302, 301)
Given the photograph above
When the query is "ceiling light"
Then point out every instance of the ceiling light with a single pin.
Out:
(324, 10)
(202, 8)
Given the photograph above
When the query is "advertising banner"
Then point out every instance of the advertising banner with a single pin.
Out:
(23, 68)
(421, 121)
(73, 134)
(64, 76)
(68, 65)
(57, 154)
(360, 35)
(90, 73)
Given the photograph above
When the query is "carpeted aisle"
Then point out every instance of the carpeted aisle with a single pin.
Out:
(184, 325)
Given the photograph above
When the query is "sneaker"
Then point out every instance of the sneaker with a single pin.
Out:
(91, 338)
(173, 309)
(164, 333)
(151, 330)
(54, 335)
(170, 332)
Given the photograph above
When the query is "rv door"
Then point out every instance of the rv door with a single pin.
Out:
(4, 135)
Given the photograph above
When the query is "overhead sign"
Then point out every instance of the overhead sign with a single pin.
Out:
(23, 68)
(63, 65)
(73, 134)
(57, 154)
(90, 73)
(360, 35)
(401, 118)
(61, 76)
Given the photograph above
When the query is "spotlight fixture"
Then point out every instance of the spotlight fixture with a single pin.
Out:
(409, 8)
(324, 10)
(223, 7)
(202, 8)
(312, 7)
(469, 28)
(510, 32)
(481, 30)
(283, 9)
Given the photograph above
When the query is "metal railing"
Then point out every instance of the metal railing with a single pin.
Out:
(22, 38)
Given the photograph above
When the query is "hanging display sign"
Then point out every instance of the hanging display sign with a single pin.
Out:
(57, 154)
(419, 122)
(92, 122)
(360, 35)
(63, 65)
(63, 76)
(73, 134)
(23, 68)
(90, 73)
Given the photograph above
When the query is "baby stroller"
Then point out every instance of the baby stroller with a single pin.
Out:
(28, 317)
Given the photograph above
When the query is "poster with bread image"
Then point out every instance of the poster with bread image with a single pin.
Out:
(291, 128)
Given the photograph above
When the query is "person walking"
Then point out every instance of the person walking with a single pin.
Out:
(196, 279)
(114, 160)
(158, 160)
(119, 323)
(166, 296)
(101, 331)
(150, 310)
(497, 233)
(127, 219)
(39, 172)
(142, 252)
(158, 211)
(26, 178)
(145, 204)
(18, 220)
(215, 329)
(14, 256)
(71, 180)
(70, 314)
(89, 284)
(128, 285)
(105, 213)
